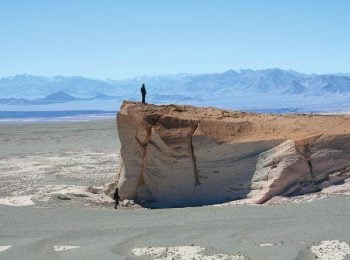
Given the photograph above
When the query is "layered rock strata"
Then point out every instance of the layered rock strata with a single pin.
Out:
(176, 156)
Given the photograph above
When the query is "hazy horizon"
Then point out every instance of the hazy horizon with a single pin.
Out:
(175, 74)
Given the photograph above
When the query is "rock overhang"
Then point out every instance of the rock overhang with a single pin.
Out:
(186, 156)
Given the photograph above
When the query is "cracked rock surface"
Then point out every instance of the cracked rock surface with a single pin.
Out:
(177, 156)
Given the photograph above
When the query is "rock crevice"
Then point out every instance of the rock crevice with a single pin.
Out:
(193, 157)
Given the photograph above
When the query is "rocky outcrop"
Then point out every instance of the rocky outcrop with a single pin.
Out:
(184, 156)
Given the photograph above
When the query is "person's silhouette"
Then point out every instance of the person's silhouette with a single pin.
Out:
(143, 93)
(116, 198)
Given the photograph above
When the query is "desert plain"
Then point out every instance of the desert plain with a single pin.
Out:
(52, 206)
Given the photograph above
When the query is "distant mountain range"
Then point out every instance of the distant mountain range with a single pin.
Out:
(240, 82)
(200, 89)
(57, 97)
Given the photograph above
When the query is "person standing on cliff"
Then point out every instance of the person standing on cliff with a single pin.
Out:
(143, 93)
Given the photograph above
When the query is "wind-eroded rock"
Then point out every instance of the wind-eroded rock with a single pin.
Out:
(184, 156)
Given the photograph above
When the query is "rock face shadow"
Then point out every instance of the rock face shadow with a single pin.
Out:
(179, 156)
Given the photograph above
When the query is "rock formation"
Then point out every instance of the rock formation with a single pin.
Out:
(176, 156)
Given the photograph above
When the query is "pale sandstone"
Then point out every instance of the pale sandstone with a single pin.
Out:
(185, 156)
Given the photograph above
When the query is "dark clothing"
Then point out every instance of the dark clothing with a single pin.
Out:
(116, 198)
(143, 93)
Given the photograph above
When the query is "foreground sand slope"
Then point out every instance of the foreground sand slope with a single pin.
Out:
(185, 156)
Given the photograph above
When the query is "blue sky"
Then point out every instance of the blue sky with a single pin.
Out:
(121, 39)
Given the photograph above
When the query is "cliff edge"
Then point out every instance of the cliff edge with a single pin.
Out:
(176, 156)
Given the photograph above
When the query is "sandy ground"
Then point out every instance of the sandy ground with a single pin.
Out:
(40, 161)
(47, 211)
(67, 231)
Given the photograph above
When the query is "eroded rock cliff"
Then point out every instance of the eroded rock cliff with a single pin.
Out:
(184, 156)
